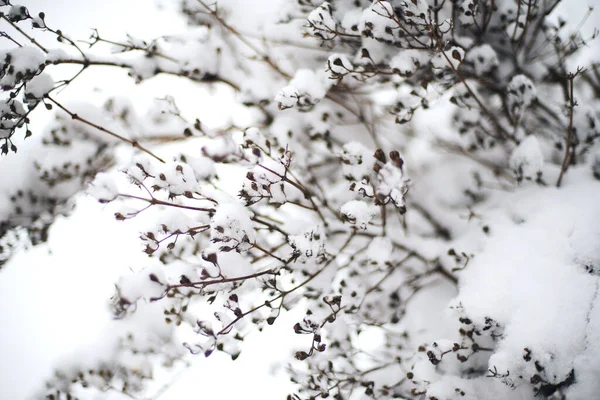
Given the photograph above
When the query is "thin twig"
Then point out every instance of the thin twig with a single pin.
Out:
(154, 201)
(76, 117)
(231, 29)
(32, 40)
(569, 146)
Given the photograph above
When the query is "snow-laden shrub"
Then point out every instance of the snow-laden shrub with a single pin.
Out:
(419, 177)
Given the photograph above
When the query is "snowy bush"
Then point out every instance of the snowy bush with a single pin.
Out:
(418, 177)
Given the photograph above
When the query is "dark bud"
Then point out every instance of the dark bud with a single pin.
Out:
(396, 159)
(211, 258)
(456, 55)
(380, 155)
(297, 328)
(432, 358)
(527, 355)
(301, 355)
(538, 366)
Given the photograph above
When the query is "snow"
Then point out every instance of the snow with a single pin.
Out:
(309, 245)
(339, 65)
(39, 86)
(374, 20)
(534, 267)
(56, 55)
(392, 184)
(450, 58)
(305, 89)
(233, 226)
(104, 188)
(357, 160)
(287, 97)
(483, 58)
(483, 268)
(416, 11)
(351, 20)
(358, 213)
(17, 13)
(527, 160)
(202, 167)
(24, 61)
(176, 178)
(149, 283)
(408, 61)
(380, 250)
(321, 20)
(315, 84)
(521, 93)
